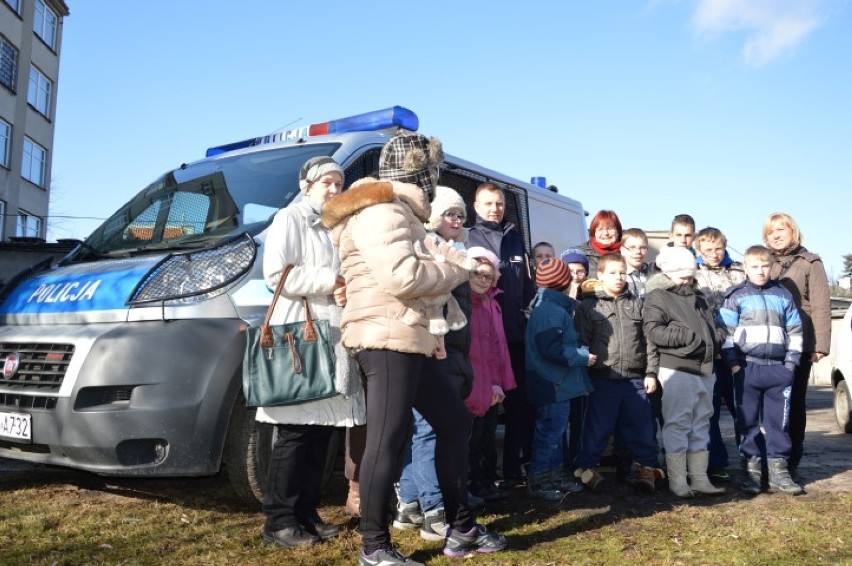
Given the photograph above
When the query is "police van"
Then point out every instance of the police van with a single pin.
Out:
(124, 358)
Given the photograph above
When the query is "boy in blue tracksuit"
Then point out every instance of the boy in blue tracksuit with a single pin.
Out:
(763, 346)
(556, 373)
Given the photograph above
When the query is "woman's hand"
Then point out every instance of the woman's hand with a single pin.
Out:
(339, 292)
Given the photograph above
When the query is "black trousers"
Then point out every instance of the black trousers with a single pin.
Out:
(295, 474)
(798, 410)
(483, 448)
(396, 383)
(520, 417)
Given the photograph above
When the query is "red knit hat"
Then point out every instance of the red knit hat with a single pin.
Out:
(553, 274)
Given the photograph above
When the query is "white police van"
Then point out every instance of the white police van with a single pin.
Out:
(125, 357)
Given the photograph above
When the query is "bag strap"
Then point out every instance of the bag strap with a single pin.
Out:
(309, 334)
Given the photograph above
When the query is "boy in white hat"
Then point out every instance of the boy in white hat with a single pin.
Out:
(679, 321)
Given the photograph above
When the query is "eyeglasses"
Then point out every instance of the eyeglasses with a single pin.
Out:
(455, 216)
(636, 248)
(484, 276)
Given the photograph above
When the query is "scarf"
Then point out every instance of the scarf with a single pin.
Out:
(605, 249)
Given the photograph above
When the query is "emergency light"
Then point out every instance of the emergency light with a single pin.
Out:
(367, 122)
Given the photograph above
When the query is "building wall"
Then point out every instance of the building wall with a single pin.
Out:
(17, 193)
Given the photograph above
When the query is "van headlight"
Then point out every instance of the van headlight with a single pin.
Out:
(193, 274)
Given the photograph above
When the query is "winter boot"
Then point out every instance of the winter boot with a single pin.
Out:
(676, 469)
(644, 478)
(590, 478)
(751, 476)
(779, 477)
(696, 463)
(541, 486)
(353, 499)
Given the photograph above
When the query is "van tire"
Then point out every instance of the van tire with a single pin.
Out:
(248, 447)
(843, 406)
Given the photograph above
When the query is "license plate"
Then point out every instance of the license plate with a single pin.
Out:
(17, 426)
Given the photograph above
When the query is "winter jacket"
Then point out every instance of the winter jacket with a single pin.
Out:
(803, 274)
(378, 228)
(638, 278)
(297, 237)
(489, 354)
(515, 277)
(762, 325)
(612, 330)
(555, 361)
(678, 320)
(593, 256)
(715, 282)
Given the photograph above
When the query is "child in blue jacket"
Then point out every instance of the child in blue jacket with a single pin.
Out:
(556, 373)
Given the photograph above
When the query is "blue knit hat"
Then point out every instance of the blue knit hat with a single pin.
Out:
(573, 255)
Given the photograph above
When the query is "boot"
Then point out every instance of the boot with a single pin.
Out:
(541, 487)
(590, 478)
(696, 462)
(751, 476)
(676, 469)
(779, 477)
(644, 478)
(353, 499)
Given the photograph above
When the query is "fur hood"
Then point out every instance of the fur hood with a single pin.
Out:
(659, 281)
(369, 191)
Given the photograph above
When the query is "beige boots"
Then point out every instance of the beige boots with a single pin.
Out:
(677, 465)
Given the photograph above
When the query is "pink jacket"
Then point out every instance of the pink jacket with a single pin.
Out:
(489, 354)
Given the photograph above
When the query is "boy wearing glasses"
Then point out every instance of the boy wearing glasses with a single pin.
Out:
(634, 248)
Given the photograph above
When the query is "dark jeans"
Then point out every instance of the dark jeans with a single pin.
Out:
(798, 409)
(579, 406)
(520, 417)
(723, 392)
(295, 474)
(483, 448)
(396, 383)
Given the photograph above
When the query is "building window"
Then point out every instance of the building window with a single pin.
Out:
(44, 23)
(5, 142)
(8, 63)
(15, 5)
(32, 166)
(38, 93)
(29, 226)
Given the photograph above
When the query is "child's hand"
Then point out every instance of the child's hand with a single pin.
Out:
(497, 395)
(440, 352)
(650, 384)
(735, 370)
(592, 359)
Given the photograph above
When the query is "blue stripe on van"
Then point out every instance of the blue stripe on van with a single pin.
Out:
(77, 292)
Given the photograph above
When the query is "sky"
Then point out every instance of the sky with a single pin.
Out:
(727, 110)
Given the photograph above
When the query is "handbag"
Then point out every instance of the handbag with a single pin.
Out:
(290, 363)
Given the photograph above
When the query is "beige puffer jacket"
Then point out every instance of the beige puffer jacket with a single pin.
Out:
(388, 265)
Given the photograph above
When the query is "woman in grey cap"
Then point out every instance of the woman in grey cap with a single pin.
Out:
(296, 465)
(389, 265)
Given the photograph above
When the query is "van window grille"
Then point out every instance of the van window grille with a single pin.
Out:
(41, 367)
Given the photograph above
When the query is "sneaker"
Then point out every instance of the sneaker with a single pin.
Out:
(565, 484)
(386, 557)
(290, 537)
(487, 491)
(435, 525)
(719, 475)
(541, 487)
(478, 539)
(590, 478)
(407, 516)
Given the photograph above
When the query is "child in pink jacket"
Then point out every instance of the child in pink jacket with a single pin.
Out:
(492, 371)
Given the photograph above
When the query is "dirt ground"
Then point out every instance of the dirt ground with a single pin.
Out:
(826, 466)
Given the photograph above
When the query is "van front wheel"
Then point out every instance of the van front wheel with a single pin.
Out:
(248, 447)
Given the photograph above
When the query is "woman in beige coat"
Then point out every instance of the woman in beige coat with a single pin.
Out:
(297, 237)
(390, 268)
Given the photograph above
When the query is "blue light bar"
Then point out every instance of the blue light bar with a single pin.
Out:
(369, 122)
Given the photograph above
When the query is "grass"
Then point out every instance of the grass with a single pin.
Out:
(59, 517)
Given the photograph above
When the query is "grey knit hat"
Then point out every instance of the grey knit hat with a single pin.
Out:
(316, 167)
(412, 158)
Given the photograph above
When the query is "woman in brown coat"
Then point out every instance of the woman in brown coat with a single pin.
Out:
(803, 273)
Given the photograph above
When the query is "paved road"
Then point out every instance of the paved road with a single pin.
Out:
(827, 465)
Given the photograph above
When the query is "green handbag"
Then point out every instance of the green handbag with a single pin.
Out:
(289, 363)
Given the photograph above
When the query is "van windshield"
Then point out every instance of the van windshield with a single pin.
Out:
(203, 202)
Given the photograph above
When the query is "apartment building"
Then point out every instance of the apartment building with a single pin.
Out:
(30, 47)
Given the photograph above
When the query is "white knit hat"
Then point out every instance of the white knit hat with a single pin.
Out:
(445, 199)
(676, 262)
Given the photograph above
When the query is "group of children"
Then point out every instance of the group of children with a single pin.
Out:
(692, 331)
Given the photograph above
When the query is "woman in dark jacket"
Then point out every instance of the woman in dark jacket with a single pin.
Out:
(803, 274)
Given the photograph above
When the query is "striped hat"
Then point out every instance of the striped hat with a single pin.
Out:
(553, 274)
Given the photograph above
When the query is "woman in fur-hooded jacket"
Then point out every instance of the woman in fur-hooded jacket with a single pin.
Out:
(388, 265)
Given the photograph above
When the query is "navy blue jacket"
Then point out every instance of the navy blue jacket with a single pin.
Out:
(515, 277)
